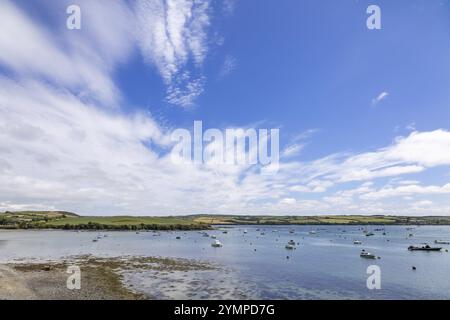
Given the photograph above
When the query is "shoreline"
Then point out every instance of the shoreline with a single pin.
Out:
(101, 278)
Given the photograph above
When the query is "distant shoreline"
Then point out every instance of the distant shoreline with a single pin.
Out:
(61, 220)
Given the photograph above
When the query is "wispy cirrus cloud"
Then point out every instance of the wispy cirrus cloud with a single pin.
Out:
(28, 49)
(172, 34)
(382, 96)
(229, 65)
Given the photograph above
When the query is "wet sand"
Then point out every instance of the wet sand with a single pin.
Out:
(101, 279)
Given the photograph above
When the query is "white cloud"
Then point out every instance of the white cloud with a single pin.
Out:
(407, 190)
(60, 148)
(382, 96)
(83, 65)
(229, 65)
(229, 6)
(288, 201)
(171, 34)
(292, 150)
(411, 126)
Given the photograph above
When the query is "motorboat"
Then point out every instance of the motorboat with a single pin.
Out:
(290, 247)
(424, 248)
(312, 232)
(245, 231)
(214, 237)
(369, 234)
(357, 242)
(216, 244)
(367, 255)
(291, 242)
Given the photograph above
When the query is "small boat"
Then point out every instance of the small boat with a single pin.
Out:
(245, 231)
(369, 234)
(290, 247)
(424, 248)
(291, 231)
(263, 233)
(357, 242)
(441, 242)
(178, 238)
(312, 232)
(216, 244)
(291, 242)
(367, 255)
(95, 240)
(205, 234)
(214, 237)
(225, 232)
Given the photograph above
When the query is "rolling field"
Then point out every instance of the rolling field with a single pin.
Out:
(71, 221)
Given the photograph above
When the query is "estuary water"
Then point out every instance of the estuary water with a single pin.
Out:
(326, 264)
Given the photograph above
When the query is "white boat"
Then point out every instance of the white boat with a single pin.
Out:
(312, 232)
(291, 242)
(357, 242)
(290, 247)
(213, 237)
(245, 231)
(216, 244)
(441, 242)
(367, 255)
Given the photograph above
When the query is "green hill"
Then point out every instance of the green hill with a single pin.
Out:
(72, 221)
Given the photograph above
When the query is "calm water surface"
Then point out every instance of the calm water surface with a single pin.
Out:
(325, 265)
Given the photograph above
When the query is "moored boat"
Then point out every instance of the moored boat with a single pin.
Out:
(216, 244)
(441, 242)
(424, 248)
(367, 255)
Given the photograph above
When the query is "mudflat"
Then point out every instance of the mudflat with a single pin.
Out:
(101, 279)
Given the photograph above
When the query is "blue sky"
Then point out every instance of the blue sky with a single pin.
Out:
(363, 114)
